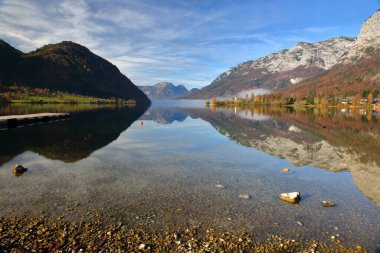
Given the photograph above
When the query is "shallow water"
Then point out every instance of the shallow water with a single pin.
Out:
(165, 172)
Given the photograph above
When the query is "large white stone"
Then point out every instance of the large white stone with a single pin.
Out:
(291, 197)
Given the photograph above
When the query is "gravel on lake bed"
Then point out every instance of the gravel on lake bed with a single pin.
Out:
(43, 234)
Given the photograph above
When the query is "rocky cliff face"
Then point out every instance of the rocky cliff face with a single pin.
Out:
(367, 42)
(321, 54)
(164, 90)
(357, 70)
(279, 70)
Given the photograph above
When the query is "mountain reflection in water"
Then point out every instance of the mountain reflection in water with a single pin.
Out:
(71, 140)
(165, 115)
(163, 172)
(325, 138)
(332, 139)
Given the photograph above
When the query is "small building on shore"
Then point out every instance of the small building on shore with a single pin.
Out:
(363, 101)
(376, 106)
(345, 103)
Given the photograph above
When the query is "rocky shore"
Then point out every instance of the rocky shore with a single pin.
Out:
(42, 234)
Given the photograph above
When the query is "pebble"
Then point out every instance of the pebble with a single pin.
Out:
(328, 204)
(141, 246)
(291, 197)
(245, 196)
(18, 169)
(359, 248)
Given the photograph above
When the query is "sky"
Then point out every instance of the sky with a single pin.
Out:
(187, 42)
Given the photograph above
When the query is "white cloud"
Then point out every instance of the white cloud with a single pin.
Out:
(189, 42)
(32, 24)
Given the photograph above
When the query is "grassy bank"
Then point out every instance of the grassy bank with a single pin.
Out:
(19, 95)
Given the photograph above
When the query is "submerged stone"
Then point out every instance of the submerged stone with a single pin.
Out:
(291, 197)
(18, 169)
(245, 196)
(328, 203)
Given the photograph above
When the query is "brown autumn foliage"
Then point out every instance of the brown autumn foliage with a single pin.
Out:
(342, 80)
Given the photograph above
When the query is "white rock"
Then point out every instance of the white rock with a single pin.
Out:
(245, 196)
(294, 129)
(291, 197)
(296, 80)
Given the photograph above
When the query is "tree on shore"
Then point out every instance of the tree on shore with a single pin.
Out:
(370, 98)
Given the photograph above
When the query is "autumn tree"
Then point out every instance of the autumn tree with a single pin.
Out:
(375, 93)
(7, 96)
(356, 99)
(364, 94)
(370, 98)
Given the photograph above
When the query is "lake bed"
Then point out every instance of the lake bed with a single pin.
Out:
(181, 166)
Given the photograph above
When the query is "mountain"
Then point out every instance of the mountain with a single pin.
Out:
(357, 70)
(66, 66)
(278, 70)
(343, 80)
(164, 90)
(367, 42)
(191, 92)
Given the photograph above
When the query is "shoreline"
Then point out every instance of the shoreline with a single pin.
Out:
(54, 235)
(291, 106)
(46, 96)
(128, 102)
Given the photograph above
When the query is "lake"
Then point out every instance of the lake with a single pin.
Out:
(182, 164)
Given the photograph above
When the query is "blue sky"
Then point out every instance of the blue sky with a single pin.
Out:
(187, 42)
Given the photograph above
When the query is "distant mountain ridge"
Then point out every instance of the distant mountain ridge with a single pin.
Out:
(164, 90)
(278, 70)
(338, 66)
(357, 70)
(66, 66)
